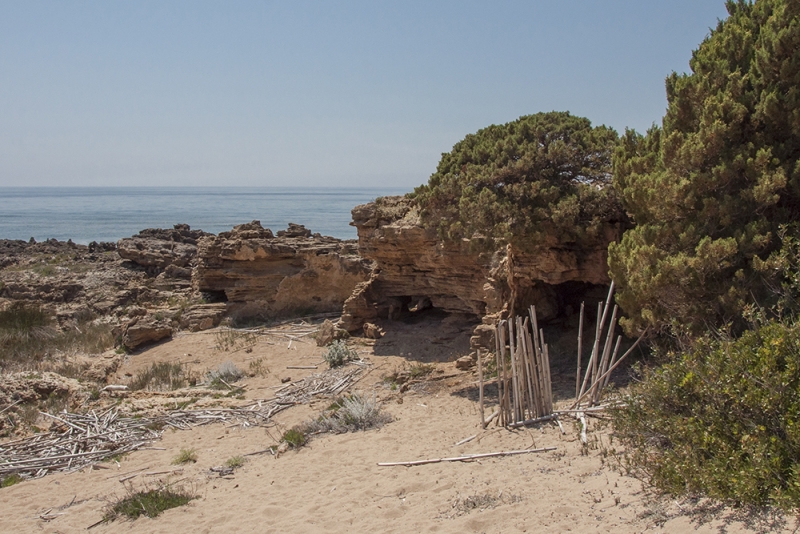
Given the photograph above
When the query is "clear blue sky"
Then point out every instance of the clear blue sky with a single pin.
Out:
(180, 93)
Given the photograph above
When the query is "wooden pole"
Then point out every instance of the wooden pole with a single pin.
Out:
(606, 351)
(534, 377)
(611, 369)
(548, 379)
(538, 340)
(480, 389)
(592, 357)
(497, 338)
(514, 377)
(501, 372)
(580, 350)
(611, 362)
(467, 457)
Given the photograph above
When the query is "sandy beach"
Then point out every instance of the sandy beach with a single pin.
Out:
(334, 483)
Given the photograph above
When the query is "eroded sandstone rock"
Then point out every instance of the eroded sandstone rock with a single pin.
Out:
(415, 269)
(157, 248)
(258, 274)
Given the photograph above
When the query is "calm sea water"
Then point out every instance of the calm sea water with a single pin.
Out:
(88, 214)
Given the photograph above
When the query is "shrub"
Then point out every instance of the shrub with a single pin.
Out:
(224, 375)
(339, 353)
(723, 419)
(350, 414)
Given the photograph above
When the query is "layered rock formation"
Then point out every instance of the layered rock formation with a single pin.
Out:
(260, 275)
(415, 269)
(157, 249)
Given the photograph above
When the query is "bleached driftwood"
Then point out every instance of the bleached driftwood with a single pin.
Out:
(81, 440)
(466, 457)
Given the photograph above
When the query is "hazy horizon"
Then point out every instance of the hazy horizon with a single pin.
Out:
(312, 94)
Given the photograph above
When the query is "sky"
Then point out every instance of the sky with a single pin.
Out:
(313, 93)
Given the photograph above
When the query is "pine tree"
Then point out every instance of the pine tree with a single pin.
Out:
(542, 177)
(709, 189)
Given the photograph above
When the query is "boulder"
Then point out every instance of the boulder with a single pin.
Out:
(465, 363)
(142, 331)
(373, 331)
(202, 316)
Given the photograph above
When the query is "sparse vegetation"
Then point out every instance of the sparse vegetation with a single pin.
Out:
(224, 376)
(10, 480)
(163, 376)
(228, 339)
(483, 501)
(147, 502)
(28, 336)
(338, 354)
(414, 372)
(294, 437)
(258, 368)
(235, 462)
(185, 456)
(349, 414)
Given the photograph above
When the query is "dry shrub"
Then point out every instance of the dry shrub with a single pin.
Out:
(350, 414)
(28, 336)
(162, 376)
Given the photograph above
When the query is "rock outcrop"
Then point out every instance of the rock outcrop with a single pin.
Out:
(157, 249)
(260, 275)
(415, 269)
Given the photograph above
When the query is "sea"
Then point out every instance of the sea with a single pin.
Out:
(86, 214)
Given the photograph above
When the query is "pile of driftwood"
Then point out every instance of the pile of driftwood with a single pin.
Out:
(76, 441)
(522, 361)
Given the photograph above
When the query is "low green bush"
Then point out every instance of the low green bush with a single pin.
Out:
(722, 419)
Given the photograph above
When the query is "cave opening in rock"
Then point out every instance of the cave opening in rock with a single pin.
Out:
(560, 304)
(212, 297)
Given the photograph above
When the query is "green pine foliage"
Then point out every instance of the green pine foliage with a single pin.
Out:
(541, 177)
(721, 420)
(710, 187)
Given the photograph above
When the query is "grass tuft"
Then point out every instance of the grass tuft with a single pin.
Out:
(226, 374)
(10, 480)
(185, 456)
(162, 376)
(147, 502)
(295, 437)
(234, 462)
